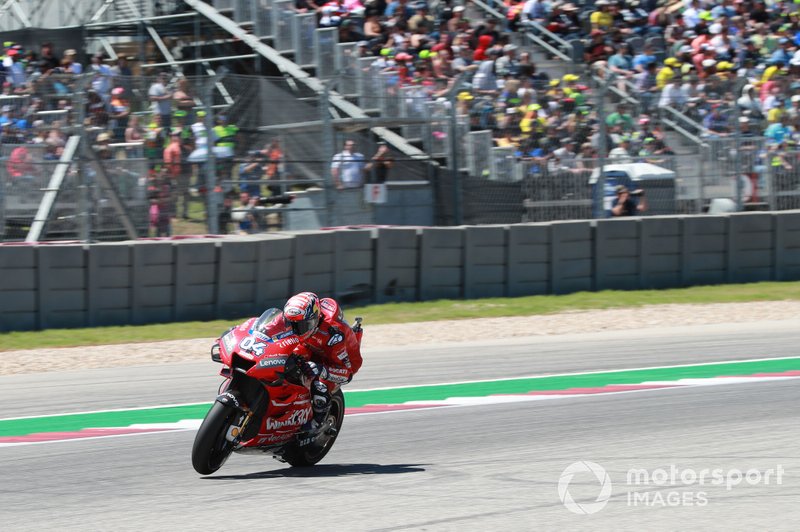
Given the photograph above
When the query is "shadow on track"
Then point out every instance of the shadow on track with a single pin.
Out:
(327, 470)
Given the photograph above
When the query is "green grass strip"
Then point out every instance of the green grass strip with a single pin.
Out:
(420, 312)
(75, 422)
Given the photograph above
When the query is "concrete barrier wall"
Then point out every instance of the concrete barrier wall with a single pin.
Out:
(441, 273)
(787, 246)
(705, 250)
(617, 254)
(751, 245)
(396, 265)
(19, 307)
(485, 261)
(110, 289)
(62, 287)
(237, 278)
(571, 250)
(529, 264)
(274, 282)
(195, 280)
(661, 247)
(153, 282)
(53, 286)
(354, 264)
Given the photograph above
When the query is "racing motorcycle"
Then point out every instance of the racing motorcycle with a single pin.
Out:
(264, 400)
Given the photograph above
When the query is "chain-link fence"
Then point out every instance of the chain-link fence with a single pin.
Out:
(145, 163)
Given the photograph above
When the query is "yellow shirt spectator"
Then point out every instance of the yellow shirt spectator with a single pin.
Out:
(664, 76)
(602, 20)
(775, 114)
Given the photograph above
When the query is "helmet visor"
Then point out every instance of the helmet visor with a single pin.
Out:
(301, 328)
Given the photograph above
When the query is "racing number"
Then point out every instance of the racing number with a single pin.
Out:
(249, 344)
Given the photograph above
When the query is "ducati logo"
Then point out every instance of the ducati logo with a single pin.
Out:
(294, 311)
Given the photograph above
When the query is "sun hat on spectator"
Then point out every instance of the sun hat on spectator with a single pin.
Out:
(706, 15)
(555, 82)
(509, 47)
(458, 9)
(116, 91)
(708, 63)
(672, 62)
(105, 136)
(465, 96)
(715, 28)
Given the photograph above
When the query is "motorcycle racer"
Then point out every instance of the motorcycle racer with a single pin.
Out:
(331, 350)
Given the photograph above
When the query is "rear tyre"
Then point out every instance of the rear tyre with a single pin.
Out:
(211, 448)
(311, 454)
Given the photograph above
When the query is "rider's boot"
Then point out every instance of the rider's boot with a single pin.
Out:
(321, 405)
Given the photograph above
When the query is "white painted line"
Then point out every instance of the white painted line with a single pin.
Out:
(412, 386)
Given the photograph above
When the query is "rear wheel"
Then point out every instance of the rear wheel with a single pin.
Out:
(312, 453)
(211, 448)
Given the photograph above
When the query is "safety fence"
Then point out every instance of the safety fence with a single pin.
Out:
(53, 286)
(470, 161)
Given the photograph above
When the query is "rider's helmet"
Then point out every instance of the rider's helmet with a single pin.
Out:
(302, 314)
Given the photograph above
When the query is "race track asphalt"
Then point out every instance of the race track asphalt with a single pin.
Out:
(470, 468)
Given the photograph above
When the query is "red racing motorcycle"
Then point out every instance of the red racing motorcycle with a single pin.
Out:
(264, 401)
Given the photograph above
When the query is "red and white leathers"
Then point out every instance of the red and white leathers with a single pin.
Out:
(335, 349)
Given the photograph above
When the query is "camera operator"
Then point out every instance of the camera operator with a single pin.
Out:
(628, 203)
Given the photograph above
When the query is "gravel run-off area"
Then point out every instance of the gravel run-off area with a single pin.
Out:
(389, 336)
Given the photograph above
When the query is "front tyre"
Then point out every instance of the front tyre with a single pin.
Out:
(311, 454)
(211, 448)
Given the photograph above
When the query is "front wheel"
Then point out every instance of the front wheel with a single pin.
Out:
(211, 448)
(309, 455)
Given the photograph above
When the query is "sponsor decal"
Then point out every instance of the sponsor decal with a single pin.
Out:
(293, 311)
(327, 305)
(282, 335)
(262, 336)
(335, 339)
(289, 341)
(271, 362)
(298, 417)
(274, 438)
(229, 341)
(345, 358)
(232, 398)
(338, 375)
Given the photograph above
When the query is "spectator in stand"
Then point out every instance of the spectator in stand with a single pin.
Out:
(380, 164)
(48, 57)
(251, 172)
(716, 123)
(275, 164)
(120, 109)
(455, 22)
(183, 98)
(602, 18)
(347, 167)
(69, 64)
(161, 99)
